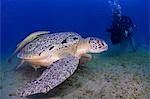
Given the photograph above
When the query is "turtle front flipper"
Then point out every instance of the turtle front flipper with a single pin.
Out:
(85, 58)
(54, 75)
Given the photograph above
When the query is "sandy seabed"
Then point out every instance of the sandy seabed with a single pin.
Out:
(106, 76)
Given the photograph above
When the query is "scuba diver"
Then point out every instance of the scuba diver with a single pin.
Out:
(122, 28)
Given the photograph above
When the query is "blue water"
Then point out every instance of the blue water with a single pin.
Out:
(87, 17)
(19, 18)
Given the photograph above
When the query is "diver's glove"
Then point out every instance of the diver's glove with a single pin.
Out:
(135, 27)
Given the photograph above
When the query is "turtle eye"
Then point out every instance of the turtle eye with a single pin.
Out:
(102, 43)
(75, 38)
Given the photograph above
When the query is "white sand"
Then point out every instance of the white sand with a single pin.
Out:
(106, 77)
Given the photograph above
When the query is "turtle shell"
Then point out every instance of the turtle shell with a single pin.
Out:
(45, 45)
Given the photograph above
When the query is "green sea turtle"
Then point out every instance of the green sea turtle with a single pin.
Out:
(60, 53)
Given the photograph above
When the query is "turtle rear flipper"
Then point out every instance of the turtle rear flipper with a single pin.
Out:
(54, 75)
(19, 65)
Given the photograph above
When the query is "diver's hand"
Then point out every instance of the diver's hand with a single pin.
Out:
(135, 27)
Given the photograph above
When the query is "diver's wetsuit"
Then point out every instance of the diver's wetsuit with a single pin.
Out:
(122, 29)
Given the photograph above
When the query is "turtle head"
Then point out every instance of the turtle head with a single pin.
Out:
(96, 45)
